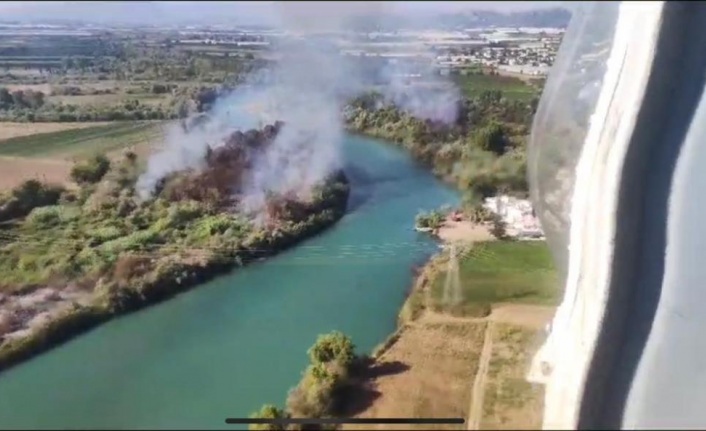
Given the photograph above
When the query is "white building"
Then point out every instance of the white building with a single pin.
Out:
(517, 214)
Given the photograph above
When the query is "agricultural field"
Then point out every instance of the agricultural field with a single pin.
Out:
(81, 142)
(468, 360)
(15, 170)
(46, 151)
(499, 272)
(10, 130)
(511, 87)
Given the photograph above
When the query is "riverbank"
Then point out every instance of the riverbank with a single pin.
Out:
(71, 316)
(481, 152)
(68, 318)
(75, 257)
(463, 360)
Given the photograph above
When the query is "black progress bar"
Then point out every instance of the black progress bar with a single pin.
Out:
(341, 421)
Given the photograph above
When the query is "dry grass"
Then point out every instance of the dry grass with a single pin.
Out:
(42, 88)
(436, 369)
(15, 170)
(434, 365)
(464, 232)
(510, 401)
(525, 315)
(14, 130)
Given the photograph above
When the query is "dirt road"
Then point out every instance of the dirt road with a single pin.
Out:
(475, 412)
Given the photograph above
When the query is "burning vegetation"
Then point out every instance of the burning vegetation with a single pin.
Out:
(225, 170)
(100, 249)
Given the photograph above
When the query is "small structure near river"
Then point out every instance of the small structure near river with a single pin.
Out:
(518, 216)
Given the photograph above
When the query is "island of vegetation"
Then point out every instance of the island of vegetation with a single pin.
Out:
(72, 257)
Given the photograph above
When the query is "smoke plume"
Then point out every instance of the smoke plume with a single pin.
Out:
(307, 88)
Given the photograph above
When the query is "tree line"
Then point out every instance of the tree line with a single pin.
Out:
(482, 152)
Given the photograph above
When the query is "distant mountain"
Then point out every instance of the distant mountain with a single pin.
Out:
(260, 13)
(138, 12)
(555, 17)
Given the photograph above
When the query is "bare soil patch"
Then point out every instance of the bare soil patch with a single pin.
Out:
(478, 395)
(14, 130)
(22, 314)
(15, 170)
(42, 88)
(436, 364)
(530, 316)
(464, 231)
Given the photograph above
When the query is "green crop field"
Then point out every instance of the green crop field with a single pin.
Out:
(502, 271)
(512, 88)
(81, 142)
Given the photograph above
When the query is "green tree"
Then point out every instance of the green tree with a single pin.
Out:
(268, 411)
(433, 219)
(91, 171)
(492, 138)
(499, 229)
(332, 347)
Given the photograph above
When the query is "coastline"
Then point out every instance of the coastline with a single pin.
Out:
(78, 319)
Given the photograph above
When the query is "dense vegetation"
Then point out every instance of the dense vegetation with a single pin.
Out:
(482, 152)
(321, 391)
(179, 102)
(100, 242)
(117, 77)
(127, 57)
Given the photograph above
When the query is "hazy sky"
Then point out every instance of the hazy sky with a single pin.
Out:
(253, 12)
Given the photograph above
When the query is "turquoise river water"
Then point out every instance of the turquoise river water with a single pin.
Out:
(226, 347)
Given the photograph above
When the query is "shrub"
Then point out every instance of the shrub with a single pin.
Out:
(27, 196)
(332, 347)
(44, 217)
(268, 411)
(499, 229)
(90, 171)
(432, 220)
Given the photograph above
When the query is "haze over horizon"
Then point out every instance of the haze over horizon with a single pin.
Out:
(239, 12)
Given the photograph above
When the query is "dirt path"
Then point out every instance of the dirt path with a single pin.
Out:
(525, 315)
(475, 412)
(464, 232)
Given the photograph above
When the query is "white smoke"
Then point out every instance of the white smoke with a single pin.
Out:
(184, 149)
(310, 82)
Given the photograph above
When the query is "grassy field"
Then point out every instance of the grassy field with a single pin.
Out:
(77, 143)
(500, 271)
(512, 88)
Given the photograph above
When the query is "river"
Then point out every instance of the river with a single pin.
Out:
(228, 346)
